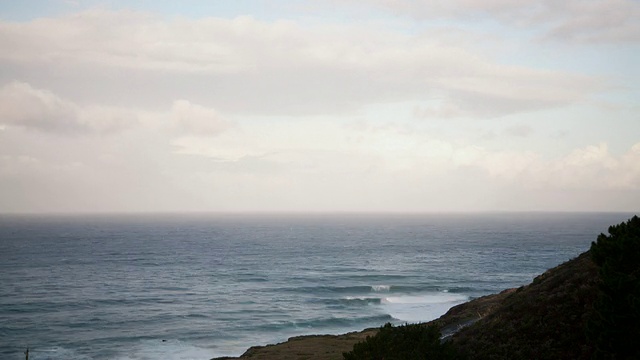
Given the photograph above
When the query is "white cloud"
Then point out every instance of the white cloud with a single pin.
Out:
(295, 165)
(589, 168)
(243, 114)
(198, 120)
(596, 21)
(250, 66)
(143, 41)
(588, 156)
(15, 165)
(392, 151)
(605, 21)
(22, 105)
(628, 174)
(520, 130)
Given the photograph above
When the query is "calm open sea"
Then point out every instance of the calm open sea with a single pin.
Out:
(198, 286)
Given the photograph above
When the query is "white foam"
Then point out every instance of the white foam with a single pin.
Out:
(435, 298)
(380, 287)
(420, 308)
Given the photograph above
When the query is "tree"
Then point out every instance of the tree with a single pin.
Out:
(615, 325)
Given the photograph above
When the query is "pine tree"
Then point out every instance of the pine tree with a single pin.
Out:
(615, 326)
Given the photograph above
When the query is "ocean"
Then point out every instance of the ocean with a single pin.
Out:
(197, 286)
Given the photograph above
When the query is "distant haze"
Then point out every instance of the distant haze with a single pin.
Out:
(357, 105)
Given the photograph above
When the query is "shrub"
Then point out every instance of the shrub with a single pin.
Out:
(410, 342)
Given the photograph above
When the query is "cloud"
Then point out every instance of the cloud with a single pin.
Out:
(519, 130)
(487, 96)
(198, 120)
(628, 176)
(594, 166)
(589, 168)
(24, 106)
(249, 66)
(142, 41)
(597, 21)
(14, 165)
(362, 151)
(304, 165)
(593, 21)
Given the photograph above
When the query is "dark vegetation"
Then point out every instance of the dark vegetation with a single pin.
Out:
(586, 308)
(410, 342)
(614, 327)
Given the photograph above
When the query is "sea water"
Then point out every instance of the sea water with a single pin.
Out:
(197, 286)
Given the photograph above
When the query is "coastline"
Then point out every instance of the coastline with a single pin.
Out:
(331, 347)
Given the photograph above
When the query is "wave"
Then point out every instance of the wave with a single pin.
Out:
(361, 289)
(355, 289)
(348, 302)
(361, 300)
(325, 323)
(401, 303)
(422, 307)
(436, 298)
(379, 288)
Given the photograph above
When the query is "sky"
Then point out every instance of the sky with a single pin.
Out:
(319, 106)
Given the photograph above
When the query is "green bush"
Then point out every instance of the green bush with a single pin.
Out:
(408, 342)
(614, 327)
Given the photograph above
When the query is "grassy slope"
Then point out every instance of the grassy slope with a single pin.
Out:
(543, 320)
(317, 347)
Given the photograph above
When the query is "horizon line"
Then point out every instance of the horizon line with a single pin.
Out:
(309, 212)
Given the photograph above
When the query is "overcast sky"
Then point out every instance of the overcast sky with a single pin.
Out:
(308, 105)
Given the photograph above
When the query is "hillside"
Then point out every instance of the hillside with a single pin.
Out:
(543, 320)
